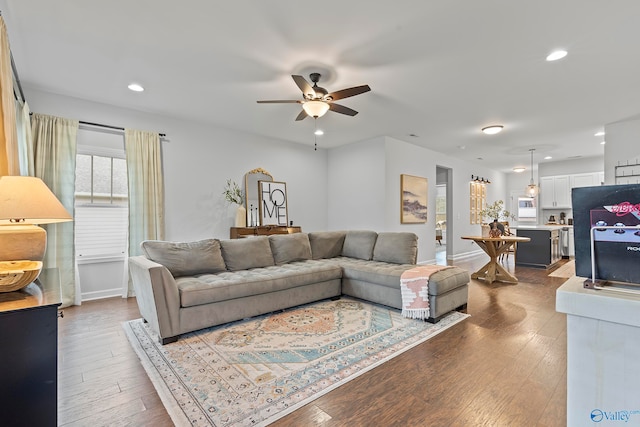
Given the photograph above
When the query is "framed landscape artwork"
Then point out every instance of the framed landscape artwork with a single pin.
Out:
(413, 199)
(272, 201)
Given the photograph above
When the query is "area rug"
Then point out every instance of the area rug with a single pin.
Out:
(565, 270)
(255, 371)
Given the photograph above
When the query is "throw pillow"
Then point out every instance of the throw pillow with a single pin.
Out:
(359, 244)
(188, 258)
(290, 247)
(326, 244)
(250, 252)
(396, 247)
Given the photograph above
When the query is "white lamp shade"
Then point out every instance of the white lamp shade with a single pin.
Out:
(315, 108)
(28, 200)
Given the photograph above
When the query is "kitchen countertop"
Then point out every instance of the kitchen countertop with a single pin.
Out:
(540, 227)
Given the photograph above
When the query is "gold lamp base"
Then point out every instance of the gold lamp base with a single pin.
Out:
(15, 275)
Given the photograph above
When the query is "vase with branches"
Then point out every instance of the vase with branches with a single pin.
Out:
(233, 194)
(496, 211)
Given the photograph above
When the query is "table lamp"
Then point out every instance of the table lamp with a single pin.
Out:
(25, 201)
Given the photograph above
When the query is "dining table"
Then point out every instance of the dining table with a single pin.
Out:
(494, 247)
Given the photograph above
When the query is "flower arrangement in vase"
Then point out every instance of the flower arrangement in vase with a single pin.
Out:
(495, 212)
(233, 194)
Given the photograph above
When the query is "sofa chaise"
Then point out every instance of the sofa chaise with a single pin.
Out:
(183, 287)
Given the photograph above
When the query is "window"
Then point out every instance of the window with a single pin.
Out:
(101, 180)
(101, 199)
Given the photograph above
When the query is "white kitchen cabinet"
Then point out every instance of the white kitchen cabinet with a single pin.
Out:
(587, 179)
(555, 192)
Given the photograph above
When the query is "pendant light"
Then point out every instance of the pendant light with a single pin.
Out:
(532, 188)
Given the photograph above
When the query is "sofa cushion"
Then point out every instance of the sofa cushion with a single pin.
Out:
(290, 247)
(359, 244)
(188, 258)
(396, 247)
(211, 288)
(326, 244)
(251, 252)
(376, 272)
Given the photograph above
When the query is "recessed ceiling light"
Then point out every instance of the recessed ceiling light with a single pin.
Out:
(599, 134)
(493, 129)
(519, 169)
(603, 142)
(548, 158)
(135, 87)
(555, 55)
(319, 132)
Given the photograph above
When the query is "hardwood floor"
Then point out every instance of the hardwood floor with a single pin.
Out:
(504, 366)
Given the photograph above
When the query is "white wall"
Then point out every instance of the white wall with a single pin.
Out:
(356, 186)
(366, 177)
(623, 145)
(572, 166)
(198, 159)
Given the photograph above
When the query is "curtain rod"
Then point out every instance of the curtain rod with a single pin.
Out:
(82, 122)
(110, 127)
(17, 80)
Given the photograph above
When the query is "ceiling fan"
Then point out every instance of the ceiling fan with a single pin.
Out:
(316, 101)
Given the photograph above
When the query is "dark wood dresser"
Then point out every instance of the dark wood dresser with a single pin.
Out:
(29, 354)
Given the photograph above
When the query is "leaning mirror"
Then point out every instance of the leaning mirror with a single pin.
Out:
(251, 179)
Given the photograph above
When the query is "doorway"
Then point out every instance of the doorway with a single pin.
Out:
(443, 210)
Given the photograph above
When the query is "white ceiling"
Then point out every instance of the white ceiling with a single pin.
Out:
(439, 70)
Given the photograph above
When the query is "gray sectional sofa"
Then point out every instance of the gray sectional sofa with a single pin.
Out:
(183, 287)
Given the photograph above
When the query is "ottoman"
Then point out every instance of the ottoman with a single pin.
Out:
(448, 290)
(430, 291)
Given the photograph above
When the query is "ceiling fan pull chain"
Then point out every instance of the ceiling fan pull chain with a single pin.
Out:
(315, 134)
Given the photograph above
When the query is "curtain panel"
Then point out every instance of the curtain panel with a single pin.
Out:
(54, 151)
(146, 189)
(9, 163)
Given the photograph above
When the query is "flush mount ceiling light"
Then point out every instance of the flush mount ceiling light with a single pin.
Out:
(519, 169)
(603, 142)
(599, 133)
(493, 129)
(135, 87)
(315, 109)
(548, 157)
(557, 54)
(532, 188)
(318, 132)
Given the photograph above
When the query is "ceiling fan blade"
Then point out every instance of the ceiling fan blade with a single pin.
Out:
(345, 93)
(282, 101)
(337, 108)
(304, 86)
(301, 116)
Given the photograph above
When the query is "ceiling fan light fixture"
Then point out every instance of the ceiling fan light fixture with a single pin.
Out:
(492, 130)
(315, 108)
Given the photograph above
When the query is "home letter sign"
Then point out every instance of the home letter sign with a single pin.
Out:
(273, 203)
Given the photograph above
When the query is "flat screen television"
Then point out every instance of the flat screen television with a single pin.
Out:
(607, 209)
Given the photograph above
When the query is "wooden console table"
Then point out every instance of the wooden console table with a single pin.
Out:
(29, 356)
(264, 230)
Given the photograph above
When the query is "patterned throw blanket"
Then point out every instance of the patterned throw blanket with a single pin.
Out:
(414, 288)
